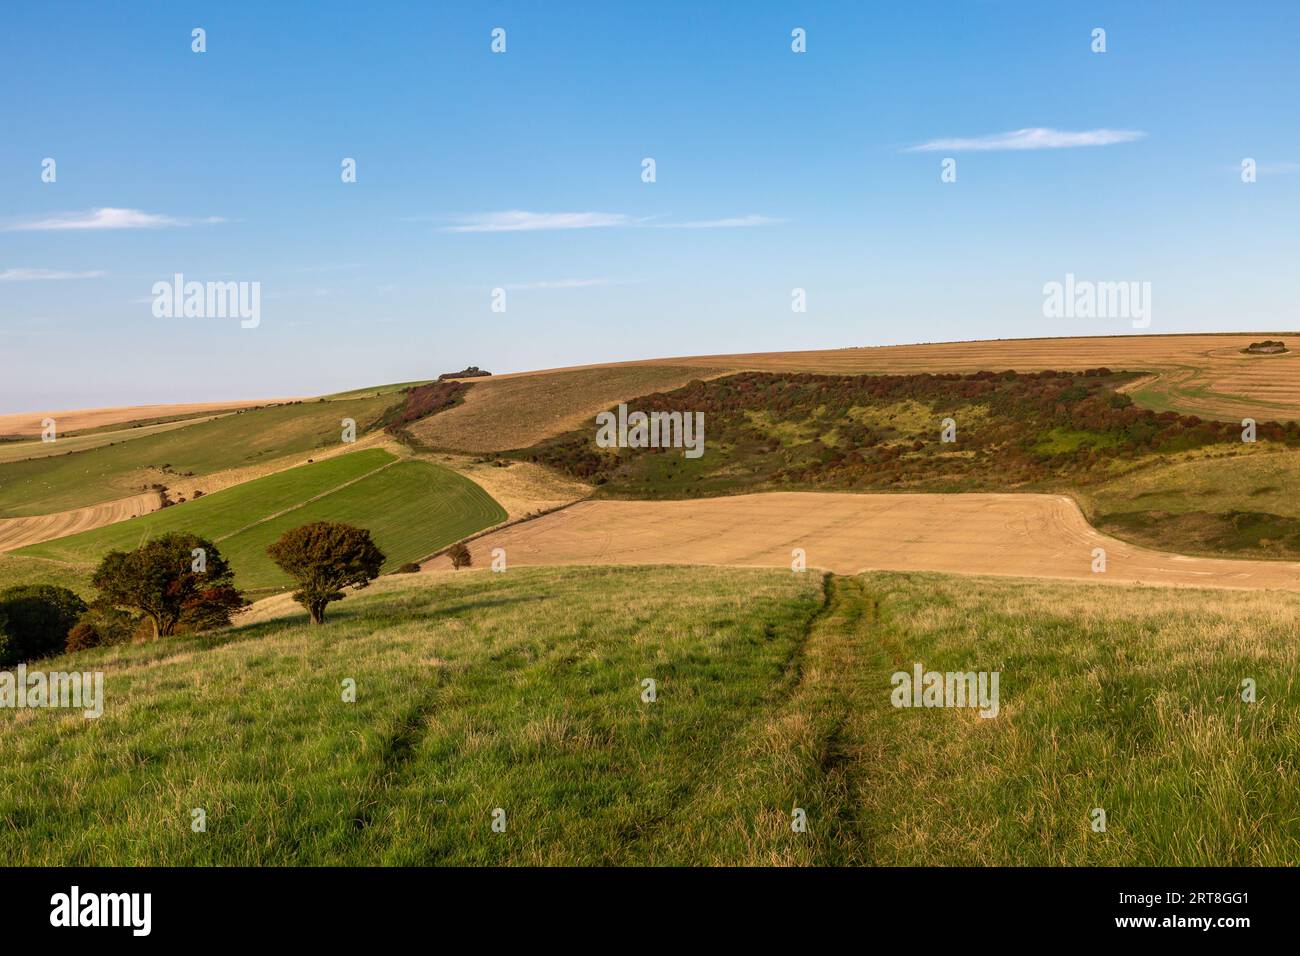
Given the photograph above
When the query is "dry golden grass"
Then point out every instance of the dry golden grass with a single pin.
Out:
(1040, 536)
(520, 487)
(19, 532)
(1203, 374)
(516, 411)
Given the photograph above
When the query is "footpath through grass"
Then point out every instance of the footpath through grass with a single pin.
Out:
(523, 691)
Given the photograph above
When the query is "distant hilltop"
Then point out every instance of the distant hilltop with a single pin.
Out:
(472, 372)
(1267, 347)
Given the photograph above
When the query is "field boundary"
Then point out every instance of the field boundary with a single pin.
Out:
(510, 523)
(307, 501)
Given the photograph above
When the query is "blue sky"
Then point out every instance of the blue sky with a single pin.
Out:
(775, 170)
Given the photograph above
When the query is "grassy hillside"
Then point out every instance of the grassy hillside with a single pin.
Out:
(1176, 483)
(220, 515)
(885, 432)
(63, 482)
(411, 509)
(1237, 501)
(523, 691)
(11, 451)
(504, 413)
(16, 569)
(1205, 375)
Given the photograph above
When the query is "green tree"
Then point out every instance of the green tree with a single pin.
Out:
(323, 558)
(35, 620)
(178, 578)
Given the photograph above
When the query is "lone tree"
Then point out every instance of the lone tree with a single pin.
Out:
(176, 579)
(459, 555)
(323, 558)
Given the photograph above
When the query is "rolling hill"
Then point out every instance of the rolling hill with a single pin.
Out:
(244, 439)
(412, 508)
(1195, 374)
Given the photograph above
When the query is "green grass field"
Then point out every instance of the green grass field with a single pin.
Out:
(62, 482)
(411, 508)
(522, 691)
(1233, 502)
(85, 441)
(16, 569)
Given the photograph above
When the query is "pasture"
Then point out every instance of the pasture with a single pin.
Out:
(523, 693)
(241, 440)
(410, 507)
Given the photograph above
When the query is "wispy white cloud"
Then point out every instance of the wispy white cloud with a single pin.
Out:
(735, 222)
(1037, 137)
(519, 220)
(561, 284)
(106, 217)
(45, 275)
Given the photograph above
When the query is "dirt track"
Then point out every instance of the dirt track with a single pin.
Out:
(1042, 536)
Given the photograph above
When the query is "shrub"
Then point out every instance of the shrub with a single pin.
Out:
(410, 567)
(423, 401)
(35, 621)
(103, 624)
(460, 556)
(324, 557)
(472, 372)
(83, 635)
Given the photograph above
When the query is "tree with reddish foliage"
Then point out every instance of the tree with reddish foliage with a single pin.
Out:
(324, 557)
(176, 579)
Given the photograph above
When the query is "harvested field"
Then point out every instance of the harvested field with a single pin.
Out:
(516, 411)
(182, 458)
(19, 532)
(520, 487)
(1041, 536)
(1205, 375)
(79, 419)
